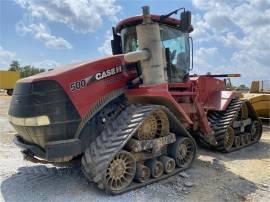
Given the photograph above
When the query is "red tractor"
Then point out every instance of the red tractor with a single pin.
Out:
(132, 118)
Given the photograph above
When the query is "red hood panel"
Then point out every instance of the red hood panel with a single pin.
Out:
(74, 69)
(85, 83)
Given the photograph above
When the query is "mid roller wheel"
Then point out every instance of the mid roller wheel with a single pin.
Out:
(169, 164)
(156, 168)
(142, 173)
(237, 141)
(243, 138)
(249, 138)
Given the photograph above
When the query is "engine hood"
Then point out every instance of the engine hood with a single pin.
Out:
(76, 69)
(87, 82)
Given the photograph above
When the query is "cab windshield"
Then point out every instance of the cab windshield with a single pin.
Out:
(176, 41)
(129, 39)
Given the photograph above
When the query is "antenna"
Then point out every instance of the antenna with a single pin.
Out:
(163, 17)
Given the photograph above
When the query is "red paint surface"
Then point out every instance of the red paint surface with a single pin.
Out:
(191, 99)
(84, 98)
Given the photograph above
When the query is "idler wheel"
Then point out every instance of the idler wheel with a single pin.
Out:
(156, 167)
(256, 130)
(120, 171)
(183, 151)
(169, 164)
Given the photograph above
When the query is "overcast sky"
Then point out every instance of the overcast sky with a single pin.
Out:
(230, 36)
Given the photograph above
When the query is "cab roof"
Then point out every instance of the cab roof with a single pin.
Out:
(135, 20)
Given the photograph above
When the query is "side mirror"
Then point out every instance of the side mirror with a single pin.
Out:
(186, 21)
(116, 43)
(191, 58)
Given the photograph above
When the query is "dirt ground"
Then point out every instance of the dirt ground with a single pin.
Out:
(239, 176)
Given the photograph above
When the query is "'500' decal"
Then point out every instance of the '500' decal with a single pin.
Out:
(77, 85)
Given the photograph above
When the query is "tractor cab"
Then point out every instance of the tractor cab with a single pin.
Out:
(174, 41)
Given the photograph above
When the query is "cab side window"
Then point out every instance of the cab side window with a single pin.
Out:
(178, 44)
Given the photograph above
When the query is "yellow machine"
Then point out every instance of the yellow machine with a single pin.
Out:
(259, 97)
(8, 80)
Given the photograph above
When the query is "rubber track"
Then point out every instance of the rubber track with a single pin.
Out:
(112, 139)
(220, 122)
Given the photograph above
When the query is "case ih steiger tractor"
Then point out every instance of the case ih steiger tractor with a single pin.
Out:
(132, 118)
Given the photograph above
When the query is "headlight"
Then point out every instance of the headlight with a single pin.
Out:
(31, 121)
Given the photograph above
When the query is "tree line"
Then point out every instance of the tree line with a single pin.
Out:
(25, 71)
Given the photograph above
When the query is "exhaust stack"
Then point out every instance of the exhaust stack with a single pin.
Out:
(150, 51)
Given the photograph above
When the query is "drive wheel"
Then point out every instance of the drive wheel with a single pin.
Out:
(157, 124)
(228, 139)
(148, 129)
(183, 151)
(120, 171)
(162, 123)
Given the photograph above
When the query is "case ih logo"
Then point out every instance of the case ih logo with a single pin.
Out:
(76, 85)
(109, 72)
